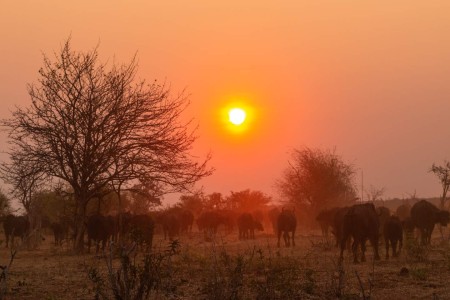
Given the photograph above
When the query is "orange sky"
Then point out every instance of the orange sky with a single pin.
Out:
(370, 79)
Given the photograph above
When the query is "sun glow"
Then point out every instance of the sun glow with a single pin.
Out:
(237, 116)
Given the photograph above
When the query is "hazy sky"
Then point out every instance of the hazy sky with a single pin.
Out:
(369, 78)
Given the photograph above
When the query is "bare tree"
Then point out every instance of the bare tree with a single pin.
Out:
(374, 193)
(316, 179)
(443, 174)
(26, 180)
(24, 177)
(94, 126)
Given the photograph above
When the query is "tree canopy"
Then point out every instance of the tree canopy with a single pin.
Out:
(316, 179)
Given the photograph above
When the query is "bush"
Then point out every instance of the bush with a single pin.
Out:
(279, 277)
(133, 281)
(225, 278)
(415, 251)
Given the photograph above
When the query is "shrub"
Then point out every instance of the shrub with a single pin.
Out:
(415, 251)
(133, 281)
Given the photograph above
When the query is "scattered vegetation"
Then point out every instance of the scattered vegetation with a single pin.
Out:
(415, 251)
(4, 275)
(419, 274)
(132, 280)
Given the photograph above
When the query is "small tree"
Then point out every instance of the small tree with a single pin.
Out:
(374, 193)
(27, 181)
(443, 174)
(25, 178)
(248, 200)
(316, 179)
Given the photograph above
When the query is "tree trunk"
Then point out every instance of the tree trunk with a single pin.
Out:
(443, 199)
(80, 227)
(120, 229)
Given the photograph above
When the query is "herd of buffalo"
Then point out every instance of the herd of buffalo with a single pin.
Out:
(362, 222)
(357, 223)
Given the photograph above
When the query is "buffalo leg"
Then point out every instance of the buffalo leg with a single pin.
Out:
(394, 248)
(374, 243)
(355, 251)
(363, 250)
(287, 238)
(386, 242)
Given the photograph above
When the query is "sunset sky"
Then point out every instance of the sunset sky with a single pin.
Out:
(369, 78)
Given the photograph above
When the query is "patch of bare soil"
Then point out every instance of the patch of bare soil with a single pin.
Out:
(227, 268)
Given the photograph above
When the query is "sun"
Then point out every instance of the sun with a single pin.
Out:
(237, 116)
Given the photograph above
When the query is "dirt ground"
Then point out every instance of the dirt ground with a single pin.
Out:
(311, 270)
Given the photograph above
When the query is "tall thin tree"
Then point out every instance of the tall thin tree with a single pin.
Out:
(443, 174)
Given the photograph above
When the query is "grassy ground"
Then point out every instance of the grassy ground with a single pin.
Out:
(230, 269)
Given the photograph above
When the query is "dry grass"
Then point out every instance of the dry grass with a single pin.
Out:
(231, 269)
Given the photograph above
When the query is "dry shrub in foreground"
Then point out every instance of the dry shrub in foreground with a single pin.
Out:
(5, 273)
(132, 280)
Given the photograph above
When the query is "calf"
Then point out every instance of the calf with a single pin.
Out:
(393, 234)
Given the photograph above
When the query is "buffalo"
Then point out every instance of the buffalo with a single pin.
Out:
(393, 234)
(140, 229)
(186, 219)
(424, 216)
(408, 226)
(60, 232)
(209, 221)
(325, 218)
(361, 222)
(286, 223)
(61, 229)
(170, 222)
(15, 226)
(403, 212)
(338, 224)
(247, 225)
(383, 215)
(229, 218)
(99, 229)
